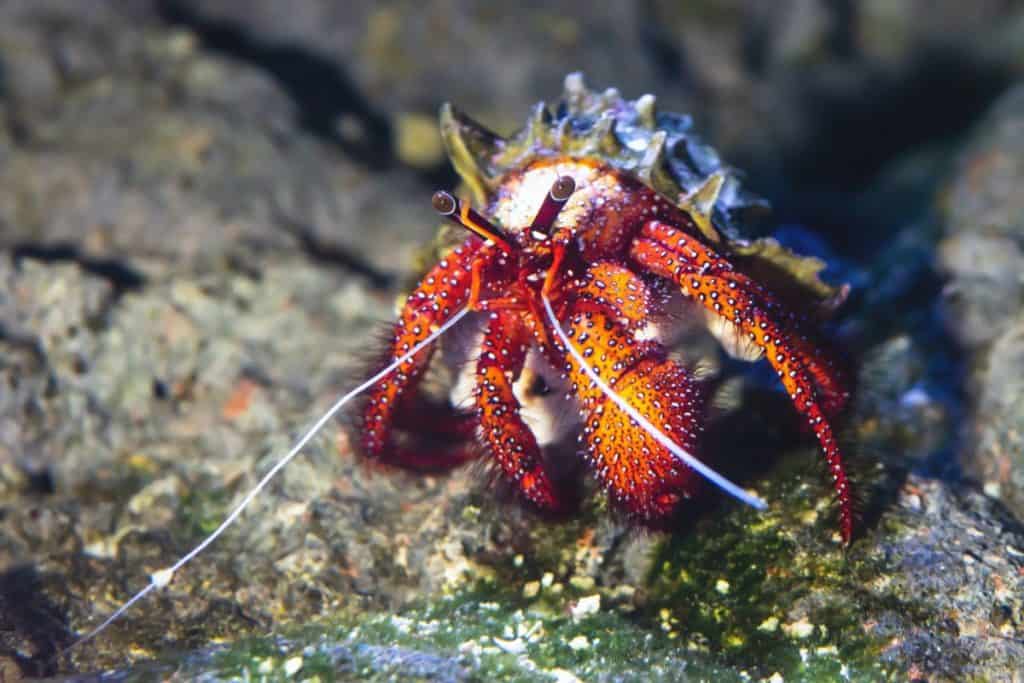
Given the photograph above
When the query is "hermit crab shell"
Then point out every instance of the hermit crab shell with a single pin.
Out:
(659, 149)
(633, 138)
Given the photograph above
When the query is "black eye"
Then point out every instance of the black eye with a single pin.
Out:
(563, 189)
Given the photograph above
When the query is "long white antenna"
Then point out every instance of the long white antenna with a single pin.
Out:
(161, 578)
(673, 448)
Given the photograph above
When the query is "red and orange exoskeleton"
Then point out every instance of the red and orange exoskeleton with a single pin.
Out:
(575, 227)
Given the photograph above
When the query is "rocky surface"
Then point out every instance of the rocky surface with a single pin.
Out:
(983, 255)
(772, 85)
(206, 209)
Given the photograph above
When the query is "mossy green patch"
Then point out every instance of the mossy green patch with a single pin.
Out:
(485, 633)
(775, 591)
(201, 510)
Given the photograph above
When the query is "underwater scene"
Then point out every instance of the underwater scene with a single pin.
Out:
(459, 341)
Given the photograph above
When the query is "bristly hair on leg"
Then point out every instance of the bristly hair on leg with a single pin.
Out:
(163, 577)
(440, 432)
(623, 405)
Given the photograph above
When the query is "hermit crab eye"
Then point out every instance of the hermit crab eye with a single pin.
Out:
(563, 189)
(463, 214)
(444, 203)
(557, 196)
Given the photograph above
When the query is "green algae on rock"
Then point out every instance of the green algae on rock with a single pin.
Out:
(739, 598)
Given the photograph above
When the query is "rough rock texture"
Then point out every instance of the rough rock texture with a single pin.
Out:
(206, 209)
(771, 84)
(983, 257)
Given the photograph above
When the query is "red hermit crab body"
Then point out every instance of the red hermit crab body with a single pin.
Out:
(588, 218)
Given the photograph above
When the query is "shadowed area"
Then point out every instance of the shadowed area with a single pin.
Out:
(320, 88)
(33, 629)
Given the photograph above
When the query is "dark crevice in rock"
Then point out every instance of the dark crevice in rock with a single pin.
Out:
(842, 36)
(876, 491)
(32, 629)
(324, 94)
(40, 483)
(756, 46)
(664, 52)
(864, 128)
(332, 254)
(123, 276)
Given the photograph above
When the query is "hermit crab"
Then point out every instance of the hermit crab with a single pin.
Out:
(594, 224)
(598, 223)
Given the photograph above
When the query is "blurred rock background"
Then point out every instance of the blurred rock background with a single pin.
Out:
(207, 207)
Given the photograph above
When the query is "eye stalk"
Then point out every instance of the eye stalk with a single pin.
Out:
(461, 213)
(557, 196)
